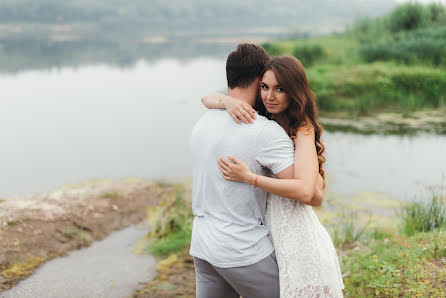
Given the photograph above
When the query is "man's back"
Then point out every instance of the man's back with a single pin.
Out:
(228, 227)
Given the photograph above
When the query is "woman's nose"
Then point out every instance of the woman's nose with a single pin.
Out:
(270, 94)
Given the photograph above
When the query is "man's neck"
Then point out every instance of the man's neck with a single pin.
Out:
(247, 94)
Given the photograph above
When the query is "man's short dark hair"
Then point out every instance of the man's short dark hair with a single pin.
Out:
(245, 64)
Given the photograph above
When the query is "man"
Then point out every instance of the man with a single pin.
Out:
(232, 253)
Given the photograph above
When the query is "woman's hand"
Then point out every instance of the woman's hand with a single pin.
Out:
(236, 170)
(238, 109)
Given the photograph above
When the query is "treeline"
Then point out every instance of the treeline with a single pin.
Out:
(283, 12)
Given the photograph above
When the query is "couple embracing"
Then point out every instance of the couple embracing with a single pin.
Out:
(257, 169)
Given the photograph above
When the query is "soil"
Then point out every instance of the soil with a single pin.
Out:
(37, 228)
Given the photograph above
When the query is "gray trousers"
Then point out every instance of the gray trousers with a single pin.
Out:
(257, 280)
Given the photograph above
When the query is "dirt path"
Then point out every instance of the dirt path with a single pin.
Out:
(37, 228)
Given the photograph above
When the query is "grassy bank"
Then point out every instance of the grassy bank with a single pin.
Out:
(377, 64)
(406, 258)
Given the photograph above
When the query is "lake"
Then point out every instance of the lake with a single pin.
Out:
(65, 125)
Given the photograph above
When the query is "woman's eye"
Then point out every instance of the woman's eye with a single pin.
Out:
(278, 89)
(264, 87)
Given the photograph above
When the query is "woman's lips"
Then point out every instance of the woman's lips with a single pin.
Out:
(270, 105)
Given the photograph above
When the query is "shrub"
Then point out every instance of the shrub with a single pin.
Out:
(409, 16)
(273, 49)
(437, 12)
(367, 88)
(427, 45)
(308, 54)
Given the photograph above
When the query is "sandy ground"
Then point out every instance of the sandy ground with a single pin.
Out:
(36, 228)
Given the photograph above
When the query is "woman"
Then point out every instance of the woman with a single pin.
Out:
(308, 264)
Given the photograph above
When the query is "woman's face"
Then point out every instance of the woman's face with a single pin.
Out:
(274, 98)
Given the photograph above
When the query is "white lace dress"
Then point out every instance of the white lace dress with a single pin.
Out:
(308, 264)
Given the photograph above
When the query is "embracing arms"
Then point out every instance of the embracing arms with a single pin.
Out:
(301, 182)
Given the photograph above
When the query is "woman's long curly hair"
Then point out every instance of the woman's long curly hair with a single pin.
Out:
(302, 110)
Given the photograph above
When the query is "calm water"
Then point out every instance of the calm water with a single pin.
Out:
(65, 125)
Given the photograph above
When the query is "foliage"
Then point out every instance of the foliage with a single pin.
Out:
(397, 266)
(409, 16)
(380, 86)
(273, 49)
(421, 217)
(437, 12)
(308, 54)
(172, 229)
(426, 45)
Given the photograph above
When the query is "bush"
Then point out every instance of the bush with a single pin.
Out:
(368, 88)
(437, 12)
(308, 54)
(273, 49)
(426, 45)
(409, 16)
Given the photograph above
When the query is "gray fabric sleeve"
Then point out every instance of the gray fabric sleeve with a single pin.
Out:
(275, 148)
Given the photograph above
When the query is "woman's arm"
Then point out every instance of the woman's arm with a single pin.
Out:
(305, 172)
(237, 108)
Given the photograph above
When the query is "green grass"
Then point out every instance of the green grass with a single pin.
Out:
(381, 262)
(397, 266)
(348, 231)
(365, 88)
(376, 261)
(172, 243)
(422, 217)
(172, 226)
(111, 195)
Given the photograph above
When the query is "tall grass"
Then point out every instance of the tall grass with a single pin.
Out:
(423, 217)
(348, 231)
(172, 228)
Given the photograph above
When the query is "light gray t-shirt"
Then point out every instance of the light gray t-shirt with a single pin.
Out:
(228, 229)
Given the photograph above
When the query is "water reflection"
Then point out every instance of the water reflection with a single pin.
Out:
(65, 125)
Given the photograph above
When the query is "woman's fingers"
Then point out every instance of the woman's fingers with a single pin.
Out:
(225, 162)
(236, 118)
(225, 167)
(250, 111)
(223, 171)
(246, 116)
(233, 159)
